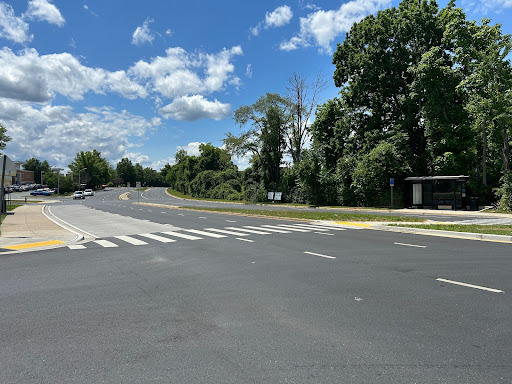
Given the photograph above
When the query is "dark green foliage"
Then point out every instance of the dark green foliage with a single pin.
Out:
(212, 174)
(37, 166)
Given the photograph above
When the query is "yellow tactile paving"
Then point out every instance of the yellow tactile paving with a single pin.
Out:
(354, 224)
(33, 245)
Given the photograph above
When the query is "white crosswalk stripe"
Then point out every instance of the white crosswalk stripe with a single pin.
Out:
(248, 230)
(76, 246)
(292, 228)
(268, 229)
(322, 226)
(131, 240)
(203, 233)
(106, 243)
(161, 239)
(182, 235)
(227, 232)
(287, 227)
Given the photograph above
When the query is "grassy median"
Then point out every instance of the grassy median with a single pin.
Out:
(504, 230)
(308, 215)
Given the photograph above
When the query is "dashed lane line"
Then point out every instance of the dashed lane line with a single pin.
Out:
(470, 285)
(320, 255)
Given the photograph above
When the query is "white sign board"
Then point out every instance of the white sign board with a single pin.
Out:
(278, 195)
(138, 184)
(270, 195)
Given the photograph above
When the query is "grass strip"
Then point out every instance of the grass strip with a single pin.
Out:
(504, 230)
(334, 216)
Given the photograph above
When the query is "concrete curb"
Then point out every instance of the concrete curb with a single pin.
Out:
(451, 234)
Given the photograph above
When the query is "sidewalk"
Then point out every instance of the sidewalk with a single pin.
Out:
(28, 228)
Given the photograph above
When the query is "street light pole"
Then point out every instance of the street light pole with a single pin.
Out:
(42, 178)
(79, 182)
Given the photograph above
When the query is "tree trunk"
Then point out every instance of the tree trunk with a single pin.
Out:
(506, 147)
(484, 156)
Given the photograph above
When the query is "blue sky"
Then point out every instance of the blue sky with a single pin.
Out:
(141, 79)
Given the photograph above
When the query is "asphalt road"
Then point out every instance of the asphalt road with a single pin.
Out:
(315, 305)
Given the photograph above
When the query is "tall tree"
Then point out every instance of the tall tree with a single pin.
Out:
(303, 96)
(126, 171)
(4, 139)
(90, 168)
(37, 166)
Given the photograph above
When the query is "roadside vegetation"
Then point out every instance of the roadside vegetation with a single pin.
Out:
(392, 118)
(331, 216)
(505, 230)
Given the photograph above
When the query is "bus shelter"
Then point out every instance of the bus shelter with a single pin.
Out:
(438, 192)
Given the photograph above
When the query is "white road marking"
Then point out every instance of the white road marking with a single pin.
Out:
(209, 234)
(106, 243)
(267, 229)
(157, 238)
(227, 232)
(323, 233)
(470, 285)
(411, 245)
(248, 230)
(182, 235)
(248, 240)
(320, 255)
(181, 214)
(312, 227)
(131, 240)
(76, 246)
(322, 226)
(291, 228)
(201, 217)
(231, 221)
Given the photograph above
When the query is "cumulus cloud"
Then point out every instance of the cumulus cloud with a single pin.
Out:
(192, 149)
(181, 73)
(31, 77)
(12, 27)
(322, 27)
(196, 107)
(143, 34)
(486, 7)
(277, 18)
(44, 10)
(50, 132)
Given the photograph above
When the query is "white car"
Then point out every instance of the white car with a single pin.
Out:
(88, 192)
(78, 195)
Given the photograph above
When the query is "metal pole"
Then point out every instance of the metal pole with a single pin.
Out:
(2, 191)
(391, 197)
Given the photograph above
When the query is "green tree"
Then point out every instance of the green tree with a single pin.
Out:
(90, 168)
(37, 166)
(4, 139)
(126, 171)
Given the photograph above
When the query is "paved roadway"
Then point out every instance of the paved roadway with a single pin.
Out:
(294, 305)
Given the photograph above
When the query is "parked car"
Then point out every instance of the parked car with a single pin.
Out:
(88, 192)
(78, 195)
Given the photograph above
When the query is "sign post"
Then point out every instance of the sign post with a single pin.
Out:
(138, 185)
(391, 184)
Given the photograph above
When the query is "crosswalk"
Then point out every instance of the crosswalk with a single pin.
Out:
(216, 233)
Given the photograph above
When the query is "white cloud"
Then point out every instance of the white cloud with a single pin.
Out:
(168, 32)
(277, 18)
(322, 27)
(192, 149)
(159, 164)
(57, 133)
(196, 107)
(46, 11)
(248, 71)
(180, 73)
(86, 7)
(143, 34)
(31, 77)
(486, 6)
(12, 27)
